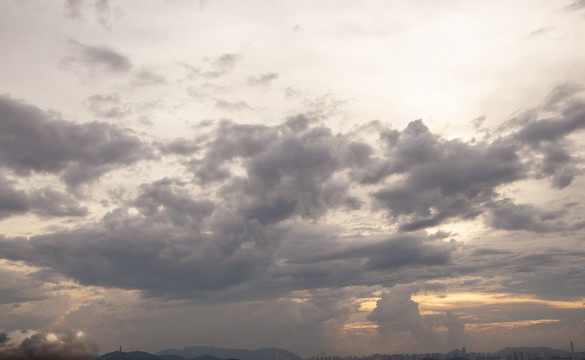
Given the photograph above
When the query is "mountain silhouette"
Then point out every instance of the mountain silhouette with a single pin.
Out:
(223, 353)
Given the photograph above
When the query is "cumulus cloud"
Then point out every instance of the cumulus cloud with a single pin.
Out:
(48, 346)
(234, 228)
(549, 136)
(34, 141)
(44, 202)
(397, 312)
(12, 201)
(510, 216)
(181, 246)
(443, 179)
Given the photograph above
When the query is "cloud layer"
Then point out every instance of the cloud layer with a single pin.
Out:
(349, 179)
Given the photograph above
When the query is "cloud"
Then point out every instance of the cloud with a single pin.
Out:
(166, 252)
(232, 105)
(34, 141)
(248, 223)
(47, 202)
(397, 312)
(50, 346)
(263, 79)
(538, 131)
(221, 65)
(73, 8)
(17, 287)
(147, 78)
(179, 146)
(576, 5)
(96, 61)
(102, 8)
(455, 328)
(549, 137)
(510, 216)
(392, 253)
(165, 200)
(44, 202)
(107, 106)
(12, 201)
(443, 179)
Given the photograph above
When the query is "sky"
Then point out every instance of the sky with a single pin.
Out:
(321, 176)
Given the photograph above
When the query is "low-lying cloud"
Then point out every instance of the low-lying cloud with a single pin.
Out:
(46, 346)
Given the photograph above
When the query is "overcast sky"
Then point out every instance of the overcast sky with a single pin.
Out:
(342, 176)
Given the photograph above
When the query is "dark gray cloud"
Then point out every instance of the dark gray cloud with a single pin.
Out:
(388, 254)
(17, 287)
(12, 201)
(44, 202)
(132, 253)
(443, 179)
(433, 179)
(538, 131)
(548, 136)
(165, 200)
(50, 346)
(289, 171)
(96, 60)
(162, 256)
(47, 202)
(256, 231)
(507, 215)
(230, 141)
(33, 141)
(555, 284)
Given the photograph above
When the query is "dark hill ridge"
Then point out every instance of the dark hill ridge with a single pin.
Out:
(140, 355)
(241, 354)
(133, 355)
(531, 350)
